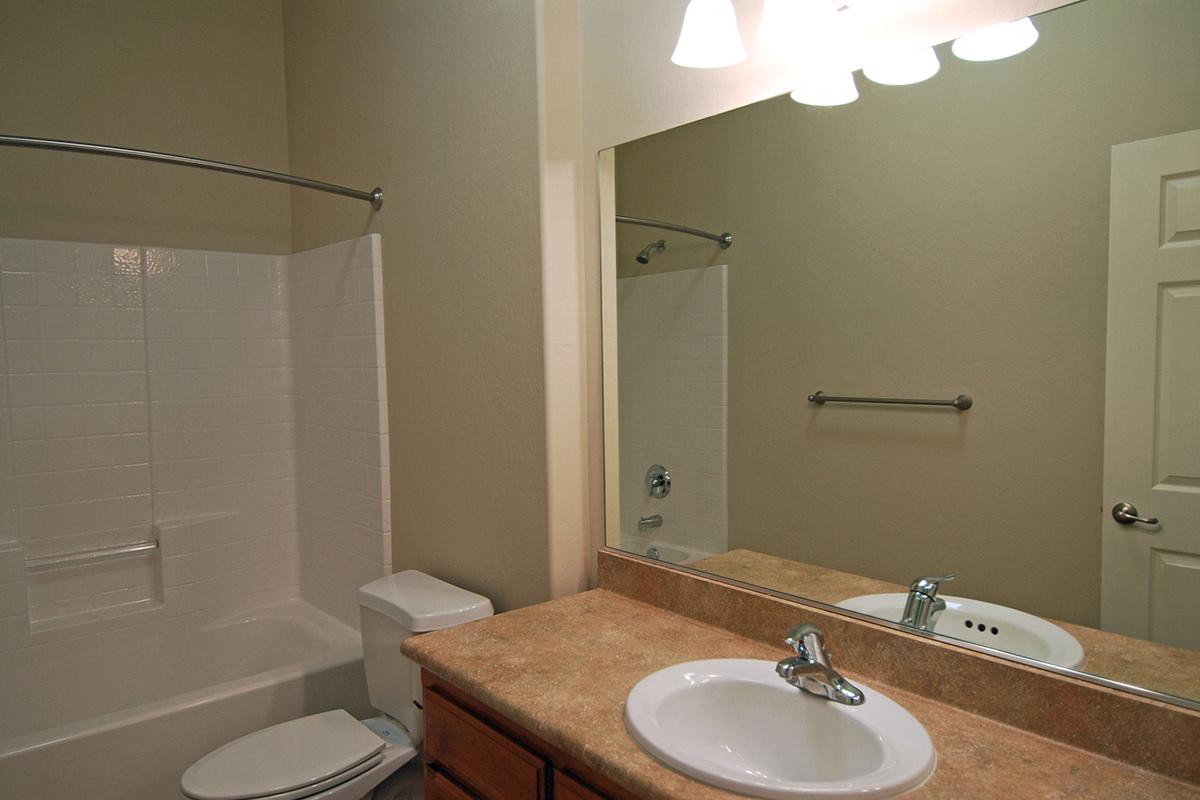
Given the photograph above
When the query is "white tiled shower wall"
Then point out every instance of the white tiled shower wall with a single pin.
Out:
(230, 404)
(341, 422)
(672, 346)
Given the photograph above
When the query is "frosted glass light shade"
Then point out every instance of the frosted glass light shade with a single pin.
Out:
(826, 87)
(904, 68)
(709, 37)
(996, 41)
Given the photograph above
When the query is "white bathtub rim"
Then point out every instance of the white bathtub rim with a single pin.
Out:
(344, 655)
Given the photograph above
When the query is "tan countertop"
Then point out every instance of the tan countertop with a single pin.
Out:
(562, 670)
(1111, 655)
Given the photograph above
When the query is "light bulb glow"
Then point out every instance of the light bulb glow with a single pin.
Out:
(826, 87)
(709, 37)
(903, 69)
(786, 24)
(996, 41)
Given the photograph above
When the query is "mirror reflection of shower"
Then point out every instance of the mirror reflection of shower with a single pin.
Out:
(654, 247)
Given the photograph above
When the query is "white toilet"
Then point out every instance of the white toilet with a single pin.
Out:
(331, 755)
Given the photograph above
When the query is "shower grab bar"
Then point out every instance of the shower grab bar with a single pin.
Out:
(374, 197)
(722, 239)
(961, 403)
(79, 557)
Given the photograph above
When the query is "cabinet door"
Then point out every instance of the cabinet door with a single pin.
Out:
(567, 788)
(439, 787)
(479, 756)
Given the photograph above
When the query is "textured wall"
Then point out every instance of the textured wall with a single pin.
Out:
(198, 78)
(926, 240)
(437, 102)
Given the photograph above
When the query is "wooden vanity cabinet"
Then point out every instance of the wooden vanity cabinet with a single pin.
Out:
(473, 753)
(567, 788)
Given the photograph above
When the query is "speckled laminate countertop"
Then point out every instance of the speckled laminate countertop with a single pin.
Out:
(562, 670)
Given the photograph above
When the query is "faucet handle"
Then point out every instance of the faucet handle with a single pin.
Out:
(930, 584)
(808, 641)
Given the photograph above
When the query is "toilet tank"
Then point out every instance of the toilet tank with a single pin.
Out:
(392, 609)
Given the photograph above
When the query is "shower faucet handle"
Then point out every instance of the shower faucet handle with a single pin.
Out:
(658, 481)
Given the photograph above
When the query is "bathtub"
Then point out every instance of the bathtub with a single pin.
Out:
(121, 714)
(675, 550)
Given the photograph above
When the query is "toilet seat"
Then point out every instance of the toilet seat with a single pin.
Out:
(292, 760)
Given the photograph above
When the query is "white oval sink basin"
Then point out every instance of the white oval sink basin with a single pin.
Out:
(735, 724)
(989, 624)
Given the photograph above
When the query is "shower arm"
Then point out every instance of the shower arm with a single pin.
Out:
(723, 240)
(374, 197)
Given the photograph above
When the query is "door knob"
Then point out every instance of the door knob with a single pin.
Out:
(1127, 514)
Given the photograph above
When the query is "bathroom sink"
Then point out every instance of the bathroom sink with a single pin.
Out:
(993, 625)
(735, 724)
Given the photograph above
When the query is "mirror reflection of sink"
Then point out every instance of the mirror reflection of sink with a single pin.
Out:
(983, 623)
(733, 723)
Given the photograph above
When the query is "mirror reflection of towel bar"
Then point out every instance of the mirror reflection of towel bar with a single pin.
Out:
(961, 403)
(82, 557)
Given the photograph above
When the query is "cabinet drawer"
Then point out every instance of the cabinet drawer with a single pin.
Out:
(478, 755)
(439, 787)
(567, 788)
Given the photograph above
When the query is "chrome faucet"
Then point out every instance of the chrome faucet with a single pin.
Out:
(923, 607)
(811, 671)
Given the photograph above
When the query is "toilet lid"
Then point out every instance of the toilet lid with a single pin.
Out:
(282, 758)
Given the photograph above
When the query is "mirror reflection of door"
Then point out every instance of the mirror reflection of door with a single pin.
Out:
(1150, 584)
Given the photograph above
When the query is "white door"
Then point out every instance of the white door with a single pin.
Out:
(1150, 574)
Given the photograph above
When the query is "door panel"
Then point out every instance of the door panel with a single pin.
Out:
(1177, 456)
(1150, 574)
(1175, 598)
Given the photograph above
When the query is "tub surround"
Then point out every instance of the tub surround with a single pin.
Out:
(1133, 661)
(673, 339)
(146, 389)
(562, 670)
(231, 408)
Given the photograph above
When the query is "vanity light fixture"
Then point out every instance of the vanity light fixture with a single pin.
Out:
(996, 41)
(788, 25)
(814, 40)
(826, 87)
(709, 37)
(780, 24)
(902, 69)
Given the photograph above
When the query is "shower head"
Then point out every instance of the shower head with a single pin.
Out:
(654, 247)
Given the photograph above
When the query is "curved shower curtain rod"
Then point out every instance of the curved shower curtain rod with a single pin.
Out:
(374, 197)
(722, 239)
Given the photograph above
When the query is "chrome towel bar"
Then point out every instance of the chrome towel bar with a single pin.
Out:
(374, 197)
(82, 557)
(961, 403)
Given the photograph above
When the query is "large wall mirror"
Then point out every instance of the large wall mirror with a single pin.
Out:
(1025, 232)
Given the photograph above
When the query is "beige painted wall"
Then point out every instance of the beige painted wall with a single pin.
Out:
(924, 241)
(197, 78)
(437, 102)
